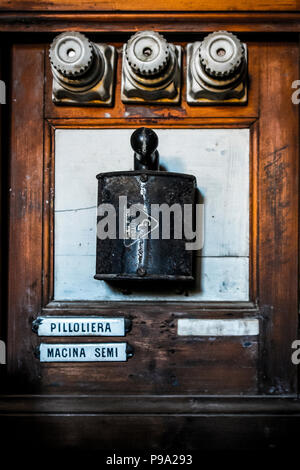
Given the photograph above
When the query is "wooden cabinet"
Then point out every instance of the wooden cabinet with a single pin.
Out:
(177, 391)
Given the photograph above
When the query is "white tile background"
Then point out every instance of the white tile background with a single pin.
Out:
(219, 159)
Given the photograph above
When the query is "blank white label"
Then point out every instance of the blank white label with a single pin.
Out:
(230, 327)
(92, 352)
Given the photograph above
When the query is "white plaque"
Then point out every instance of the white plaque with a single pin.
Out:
(218, 327)
(80, 326)
(84, 352)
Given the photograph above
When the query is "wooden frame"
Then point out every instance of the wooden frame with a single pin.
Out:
(274, 230)
(52, 125)
(188, 5)
(41, 260)
(31, 21)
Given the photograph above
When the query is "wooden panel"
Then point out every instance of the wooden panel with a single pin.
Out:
(151, 363)
(216, 360)
(110, 433)
(162, 362)
(221, 366)
(105, 22)
(147, 5)
(278, 214)
(187, 423)
(26, 206)
(154, 404)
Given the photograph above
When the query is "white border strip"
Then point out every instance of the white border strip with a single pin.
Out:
(228, 327)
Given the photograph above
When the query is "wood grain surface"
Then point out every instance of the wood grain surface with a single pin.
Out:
(147, 5)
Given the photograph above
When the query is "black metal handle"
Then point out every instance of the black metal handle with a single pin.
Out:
(144, 142)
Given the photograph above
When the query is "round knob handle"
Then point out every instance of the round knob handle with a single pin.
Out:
(147, 53)
(221, 54)
(71, 54)
(144, 142)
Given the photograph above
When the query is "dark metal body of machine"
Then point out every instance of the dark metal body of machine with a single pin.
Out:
(146, 252)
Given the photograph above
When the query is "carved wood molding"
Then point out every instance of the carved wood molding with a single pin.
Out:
(40, 21)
